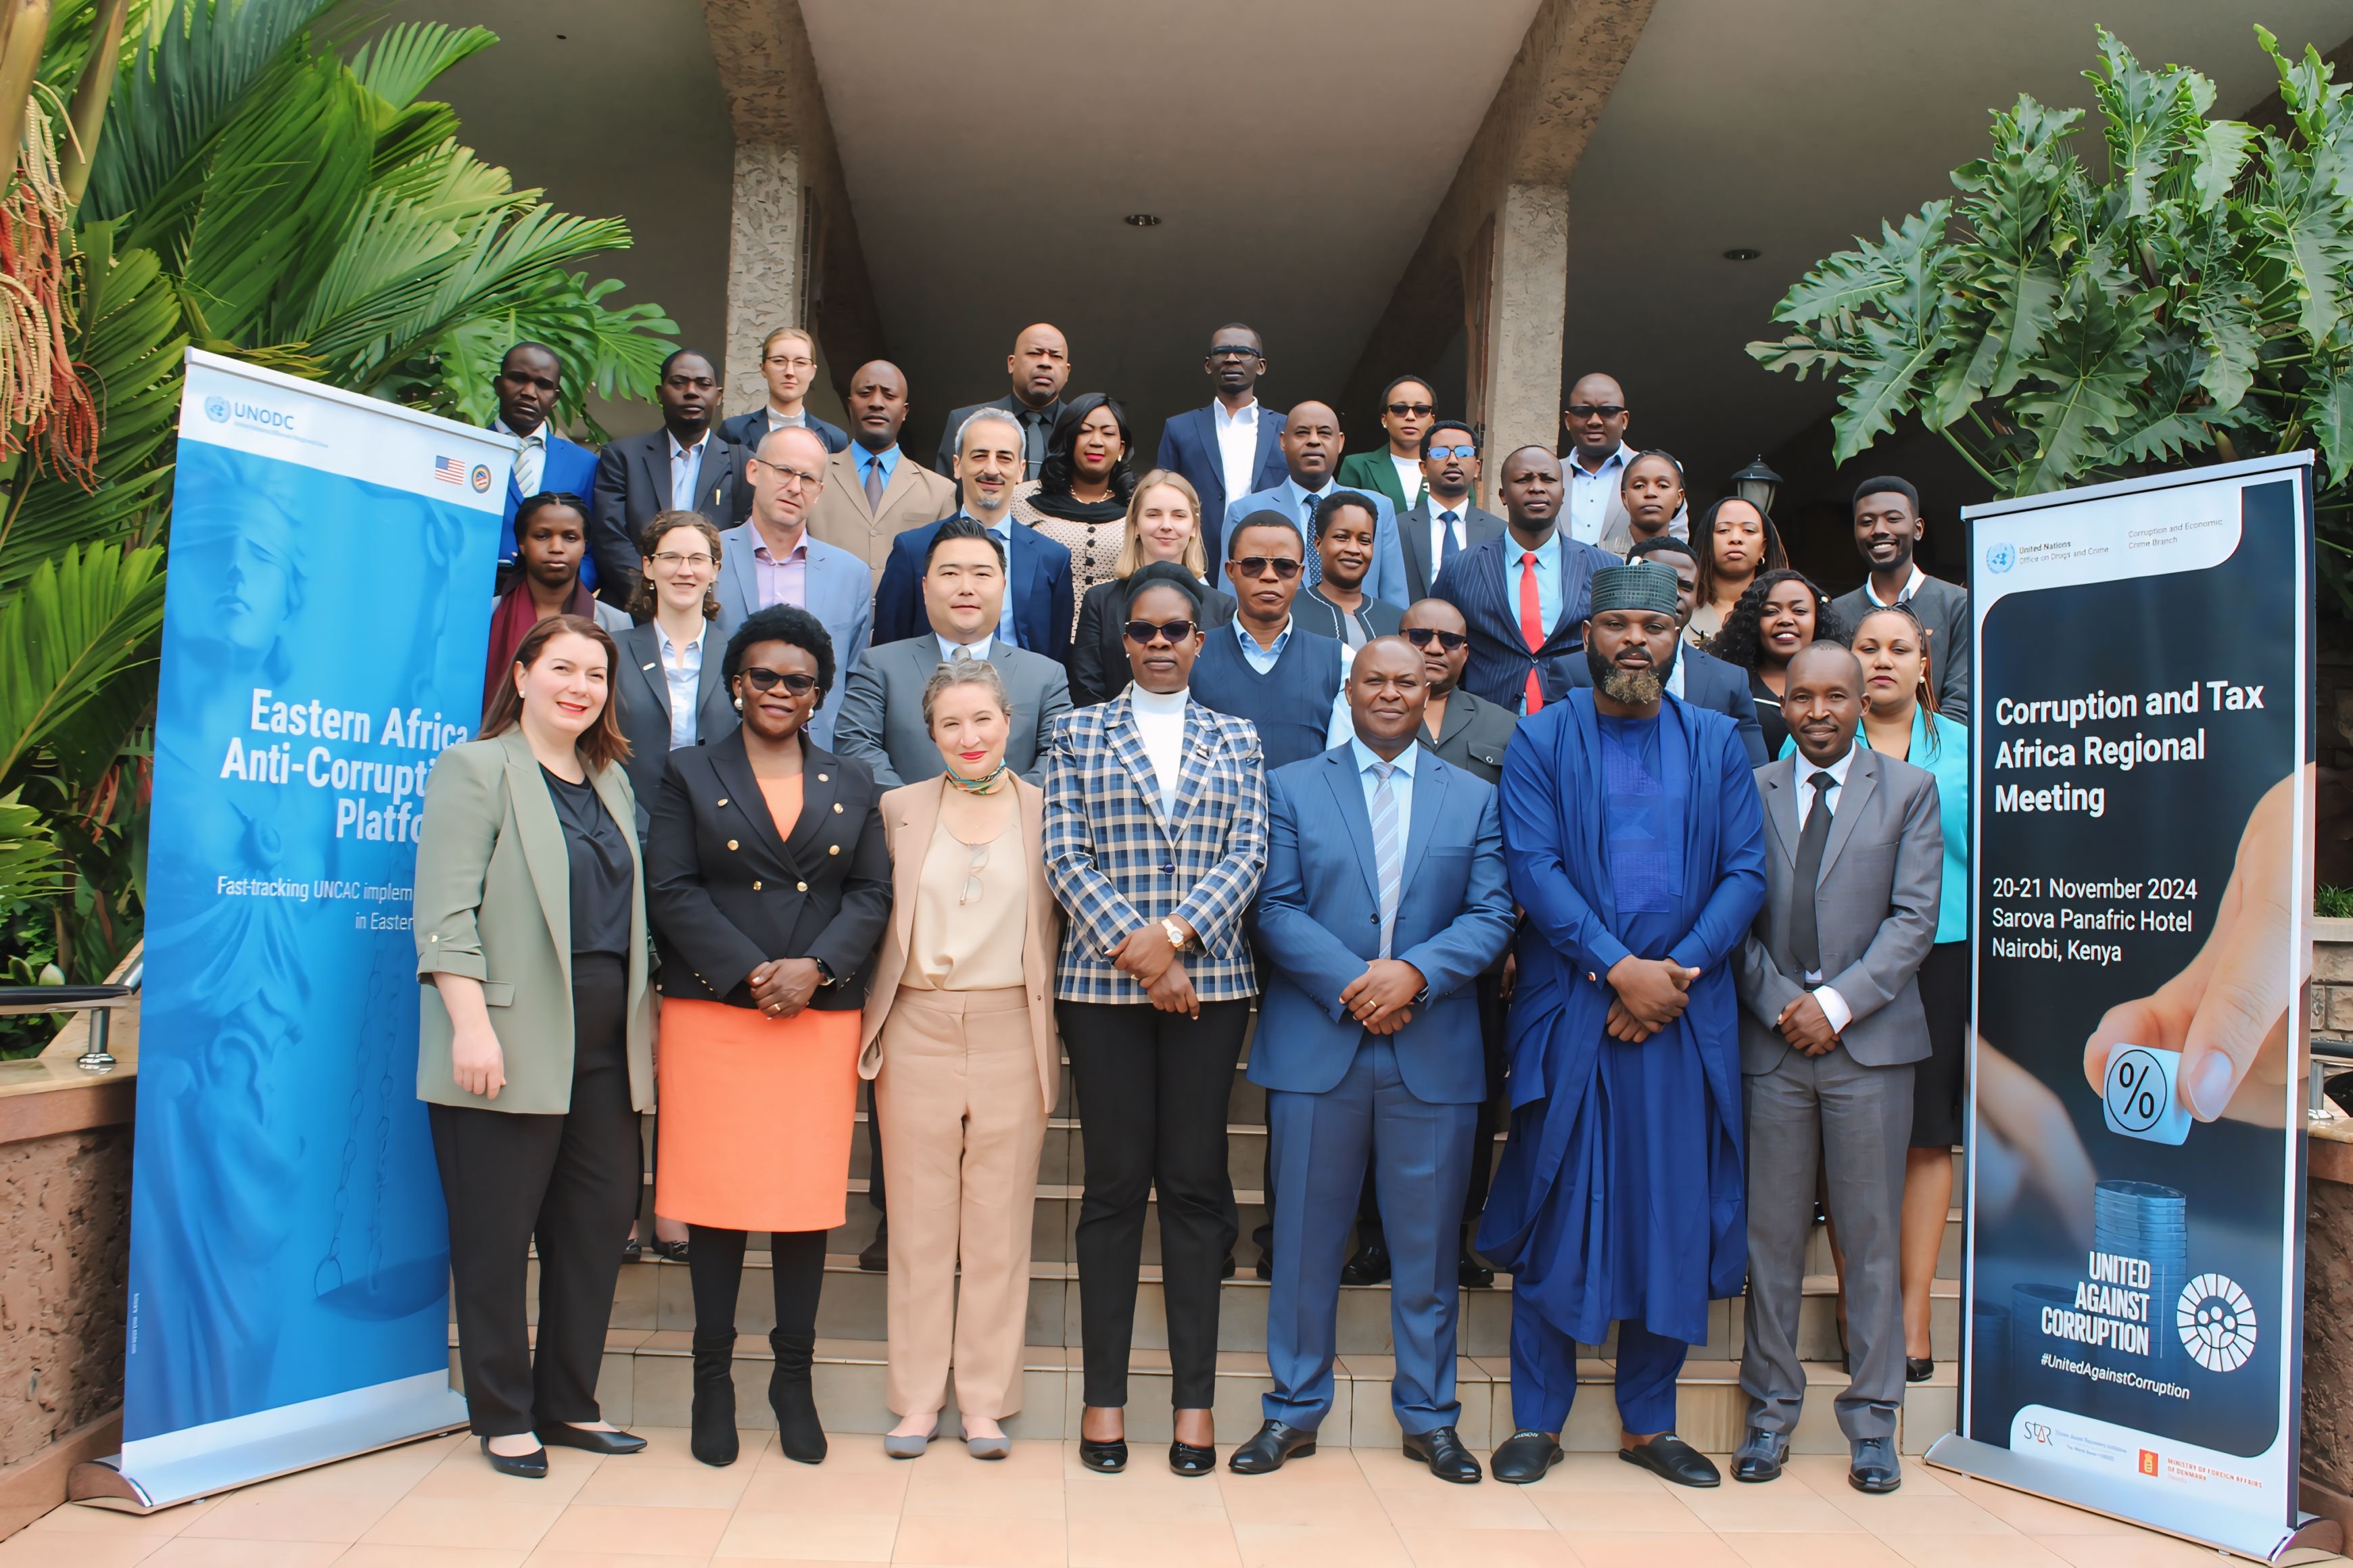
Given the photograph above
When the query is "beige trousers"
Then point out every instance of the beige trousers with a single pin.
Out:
(962, 1128)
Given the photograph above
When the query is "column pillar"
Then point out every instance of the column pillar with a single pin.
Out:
(765, 261)
(1527, 316)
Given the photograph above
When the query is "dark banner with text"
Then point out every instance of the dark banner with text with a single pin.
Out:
(2141, 850)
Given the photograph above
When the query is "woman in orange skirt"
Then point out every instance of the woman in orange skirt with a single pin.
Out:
(769, 884)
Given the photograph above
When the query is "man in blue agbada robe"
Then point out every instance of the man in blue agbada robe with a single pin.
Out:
(1635, 844)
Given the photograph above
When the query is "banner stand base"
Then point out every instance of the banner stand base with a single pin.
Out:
(205, 1461)
(2005, 1468)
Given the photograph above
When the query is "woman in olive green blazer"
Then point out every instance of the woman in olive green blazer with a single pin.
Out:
(535, 1033)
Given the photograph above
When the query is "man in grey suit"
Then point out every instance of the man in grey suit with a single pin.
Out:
(1831, 1026)
(1443, 523)
(881, 721)
(1888, 529)
(773, 560)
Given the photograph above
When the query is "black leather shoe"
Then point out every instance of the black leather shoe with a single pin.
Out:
(1226, 1271)
(530, 1466)
(1919, 1368)
(669, 1251)
(875, 1257)
(1761, 1457)
(1525, 1457)
(1193, 1459)
(1370, 1265)
(1670, 1458)
(1443, 1452)
(1875, 1467)
(1109, 1459)
(632, 1250)
(564, 1435)
(1475, 1275)
(1264, 1267)
(1265, 1453)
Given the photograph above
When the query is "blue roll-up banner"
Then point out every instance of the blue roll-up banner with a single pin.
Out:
(324, 636)
(2143, 797)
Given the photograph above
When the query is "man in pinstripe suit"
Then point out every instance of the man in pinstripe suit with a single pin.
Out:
(1524, 594)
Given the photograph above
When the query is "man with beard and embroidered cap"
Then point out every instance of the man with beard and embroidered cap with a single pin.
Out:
(1636, 847)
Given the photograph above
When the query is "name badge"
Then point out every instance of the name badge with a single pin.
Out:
(2139, 1098)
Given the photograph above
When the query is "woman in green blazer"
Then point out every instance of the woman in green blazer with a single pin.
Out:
(535, 1036)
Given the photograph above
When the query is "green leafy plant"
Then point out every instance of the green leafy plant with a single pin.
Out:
(2059, 327)
(2332, 902)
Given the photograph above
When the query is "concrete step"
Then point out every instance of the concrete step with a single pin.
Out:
(647, 1380)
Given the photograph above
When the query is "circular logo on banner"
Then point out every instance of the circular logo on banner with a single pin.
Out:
(480, 478)
(216, 409)
(2217, 1323)
(2002, 557)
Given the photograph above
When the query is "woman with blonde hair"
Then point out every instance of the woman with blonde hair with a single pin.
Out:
(959, 1039)
(1164, 523)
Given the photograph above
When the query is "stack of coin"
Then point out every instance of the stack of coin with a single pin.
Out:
(2143, 1220)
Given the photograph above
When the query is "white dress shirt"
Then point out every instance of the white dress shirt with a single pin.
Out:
(1590, 495)
(1262, 660)
(1409, 479)
(531, 463)
(1834, 1006)
(1237, 446)
(1160, 724)
(1400, 781)
(1439, 510)
(682, 672)
(1911, 586)
(948, 650)
(685, 470)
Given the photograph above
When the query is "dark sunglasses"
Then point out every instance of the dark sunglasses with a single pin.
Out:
(1443, 453)
(795, 683)
(1235, 351)
(1144, 632)
(1410, 408)
(1587, 410)
(1421, 637)
(1283, 566)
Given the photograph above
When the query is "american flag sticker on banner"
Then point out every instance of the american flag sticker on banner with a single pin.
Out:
(449, 470)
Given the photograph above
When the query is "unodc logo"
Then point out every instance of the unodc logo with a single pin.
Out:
(216, 409)
(480, 478)
(2217, 1323)
(2002, 557)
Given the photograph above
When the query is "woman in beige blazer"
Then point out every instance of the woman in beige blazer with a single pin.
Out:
(535, 1036)
(959, 1040)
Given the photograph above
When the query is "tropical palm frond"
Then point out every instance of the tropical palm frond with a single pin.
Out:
(81, 621)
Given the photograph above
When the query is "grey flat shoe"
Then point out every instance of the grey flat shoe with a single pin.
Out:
(908, 1447)
(997, 1447)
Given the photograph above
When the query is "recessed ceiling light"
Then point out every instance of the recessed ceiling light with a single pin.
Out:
(1142, 220)
(1742, 253)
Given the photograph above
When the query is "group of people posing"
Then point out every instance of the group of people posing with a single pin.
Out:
(1587, 822)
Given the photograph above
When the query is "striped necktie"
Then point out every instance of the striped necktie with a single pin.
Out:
(1388, 849)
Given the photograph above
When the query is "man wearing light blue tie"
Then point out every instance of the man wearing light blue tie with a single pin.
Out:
(1368, 1046)
(1311, 454)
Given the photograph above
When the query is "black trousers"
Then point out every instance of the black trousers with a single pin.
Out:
(714, 1267)
(1153, 1091)
(569, 1182)
(1493, 1112)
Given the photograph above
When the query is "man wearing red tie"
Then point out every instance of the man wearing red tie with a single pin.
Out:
(1524, 594)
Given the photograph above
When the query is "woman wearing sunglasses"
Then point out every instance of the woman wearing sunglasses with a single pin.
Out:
(960, 1042)
(1406, 409)
(1156, 839)
(1164, 523)
(769, 884)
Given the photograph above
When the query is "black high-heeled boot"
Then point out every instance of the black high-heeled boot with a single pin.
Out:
(798, 1433)
(713, 1439)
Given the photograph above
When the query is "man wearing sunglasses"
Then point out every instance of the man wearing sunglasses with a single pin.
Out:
(1311, 455)
(1235, 445)
(1595, 420)
(1286, 679)
(1443, 523)
(1408, 406)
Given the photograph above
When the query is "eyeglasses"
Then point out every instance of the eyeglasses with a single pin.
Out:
(971, 893)
(787, 473)
(1443, 453)
(1588, 410)
(1144, 632)
(1422, 637)
(670, 561)
(795, 683)
(1235, 351)
(1404, 408)
(1286, 567)
(791, 361)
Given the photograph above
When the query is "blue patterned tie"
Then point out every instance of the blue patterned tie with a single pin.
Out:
(1388, 849)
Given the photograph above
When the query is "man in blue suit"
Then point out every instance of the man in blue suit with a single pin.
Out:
(1522, 593)
(773, 559)
(1698, 677)
(1037, 613)
(1311, 454)
(530, 380)
(789, 365)
(1370, 937)
(1234, 446)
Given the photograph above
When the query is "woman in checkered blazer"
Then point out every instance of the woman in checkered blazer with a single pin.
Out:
(1156, 839)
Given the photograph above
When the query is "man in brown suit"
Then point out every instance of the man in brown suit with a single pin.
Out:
(874, 489)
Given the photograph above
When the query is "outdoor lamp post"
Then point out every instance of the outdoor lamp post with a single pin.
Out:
(1757, 485)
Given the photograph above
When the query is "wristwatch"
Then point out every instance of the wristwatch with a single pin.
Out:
(1177, 937)
(825, 974)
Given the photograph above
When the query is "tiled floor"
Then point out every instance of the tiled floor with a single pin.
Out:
(435, 1503)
